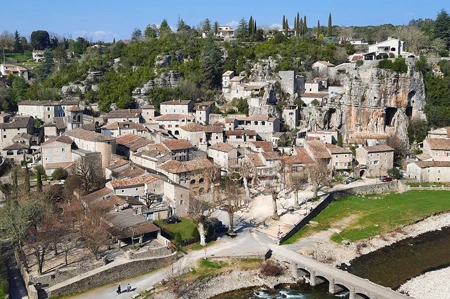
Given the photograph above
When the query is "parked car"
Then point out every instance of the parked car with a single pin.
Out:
(171, 220)
(386, 179)
(221, 229)
(349, 180)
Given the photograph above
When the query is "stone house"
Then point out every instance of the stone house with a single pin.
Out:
(391, 45)
(177, 197)
(262, 124)
(181, 149)
(94, 142)
(189, 174)
(96, 196)
(376, 160)
(318, 150)
(213, 134)
(148, 113)
(127, 144)
(125, 115)
(177, 107)
(151, 156)
(202, 112)
(46, 110)
(38, 55)
(260, 146)
(19, 71)
(442, 133)
(56, 150)
(429, 171)
(328, 137)
(172, 122)
(341, 158)
(225, 32)
(56, 128)
(310, 97)
(291, 116)
(322, 68)
(278, 137)
(230, 84)
(290, 82)
(224, 155)
(296, 162)
(138, 186)
(195, 134)
(11, 127)
(437, 148)
(267, 166)
(117, 129)
(239, 138)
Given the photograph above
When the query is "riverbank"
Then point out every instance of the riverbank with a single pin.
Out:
(431, 285)
(320, 247)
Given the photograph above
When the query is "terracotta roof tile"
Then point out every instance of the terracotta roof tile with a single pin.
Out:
(173, 166)
(301, 157)
(176, 102)
(63, 165)
(256, 160)
(89, 135)
(318, 149)
(334, 149)
(124, 113)
(137, 181)
(222, 147)
(271, 156)
(378, 148)
(193, 127)
(89, 198)
(439, 143)
(266, 146)
(426, 164)
(179, 144)
(174, 117)
(16, 123)
(63, 139)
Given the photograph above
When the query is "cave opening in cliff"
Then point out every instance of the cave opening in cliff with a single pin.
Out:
(411, 97)
(390, 112)
(409, 111)
(327, 118)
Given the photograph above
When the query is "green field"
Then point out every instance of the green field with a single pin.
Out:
(376, 214)
(186, 228)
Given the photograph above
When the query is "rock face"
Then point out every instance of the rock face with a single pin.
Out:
(264, 70)
(375, 101)
(166, 80)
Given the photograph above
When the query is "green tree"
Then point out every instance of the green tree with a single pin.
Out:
(417, 130)
(319, 31)
(164, 29)
(211, 59)
(40, 40)
(206, 25)
(441, 28)
(395, 173)
(60, 174)
(136, 35)
(305, 26)
(17, 43)
(46, 68)
(60, 55)
(330, 26)
(242, 31)
(151, 31)
(216, 28)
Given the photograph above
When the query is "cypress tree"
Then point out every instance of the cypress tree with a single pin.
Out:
(286, 29)
(38, 181)
(297, 27)
(284, 22)
(318, 28)
(254, 26)
(305, 26)
(330, 26)
(250, 26)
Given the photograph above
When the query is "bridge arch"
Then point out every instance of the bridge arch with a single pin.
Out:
(361, 296)
(339, 288)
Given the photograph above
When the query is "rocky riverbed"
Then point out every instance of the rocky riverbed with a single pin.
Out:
(431, 285)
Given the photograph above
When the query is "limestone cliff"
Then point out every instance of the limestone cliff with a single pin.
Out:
(375, 101)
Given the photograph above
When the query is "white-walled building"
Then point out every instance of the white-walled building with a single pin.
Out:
(177, 107)
(19, 71)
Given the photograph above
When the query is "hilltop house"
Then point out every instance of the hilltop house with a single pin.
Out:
(19, 71)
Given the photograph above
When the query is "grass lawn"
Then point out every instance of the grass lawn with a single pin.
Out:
(4, 286)
(19, 56)
(185, 228)
(373, 216)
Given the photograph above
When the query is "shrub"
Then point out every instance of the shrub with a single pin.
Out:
(391, 55)
(5, 287)
(359, 62)
(395, 173)
(60, 174)
(270, 268)
(315, 102)
(385, 64)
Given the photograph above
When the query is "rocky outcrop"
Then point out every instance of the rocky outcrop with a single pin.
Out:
(166, 80)
(264, 70)
(163, 61)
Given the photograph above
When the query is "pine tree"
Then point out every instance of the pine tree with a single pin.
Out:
(17, 43)
(305, 26)
(216, 27)
(330, 26)
(318, 28)
(114, 40)
(250, 26)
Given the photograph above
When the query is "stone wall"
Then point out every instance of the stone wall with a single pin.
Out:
(112, 274)
(147, 252)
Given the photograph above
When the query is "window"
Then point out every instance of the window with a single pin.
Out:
(439, 171)
(174, 110)
(181, 202)
(182, 111)
(123, 191)
(166, 110)
(376, 162)
(48, 108)
(345, 156)
(336, 164)
(137, 189)
(336, 156)
(63, 149)
(4, 136)
(437, 154)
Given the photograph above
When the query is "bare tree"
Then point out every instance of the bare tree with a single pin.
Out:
(200, 208)
(212, 175)
(318, 174)
(90, 176)
(150, 199)
(41, 240)
(273, 190)
(297, 181)
(247, 172)
(230, 197)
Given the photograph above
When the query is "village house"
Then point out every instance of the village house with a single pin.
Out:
(202, 112)
(213, 134)
(322, 68)
(94, 142)
(181, 149)
(224, 155)
(341, 158)
(318, 150)
(38, 55)
(54, 129)
(117, 129)
(148, 113)
(177, 197)
(56, 150)
(19, 71)
(328, 137)
(264, 125)
(291, 83)
(127, 144)
(391, 45)
(11, 127)
(195, 134)
(375, 160)
(115, 166)
(437, 148)
(314, 98)
(291, 116)
(226, 32)
(172, 122)
(125, 115)
(96, 196)
(151, 156)
(189, 174)
(184, 107)
(441, 133)
(429, 171)
(260, 146)
(239, 138)
(277, 138)
(138, 186)
(45, 111)
(267, 166)
(297, 162)
(366, 139)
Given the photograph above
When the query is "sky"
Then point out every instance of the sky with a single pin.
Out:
(108, 19)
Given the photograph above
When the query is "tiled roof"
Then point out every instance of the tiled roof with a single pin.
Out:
(89, 135)
(426, 164)
(116, 163)
(141, 180)
(271, 156)
(124, 113)
(173, 166)
(89, 198)
(38, 103)
(423, 157)
(278, 134)
(63, 139)
(17, 122)
(439, 143)
(317, 149)
(325, 63)
(75, 109)
(241, 132)
(256, 160)
(132, 141)
(174, 117)
(132, 171)
(213, 129)
(229, 120)
(148, 107)
(301, 157)
(124, 125)
(266, 146)
(109, 203)
(20, 136)
(16, 146)
(257, 117)
(176, 102)
(314, 94)
(222, 147)
(333, 149)
(179, 144)
(193, 127)
(378, 148)
(62, 165)
(153, 151)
